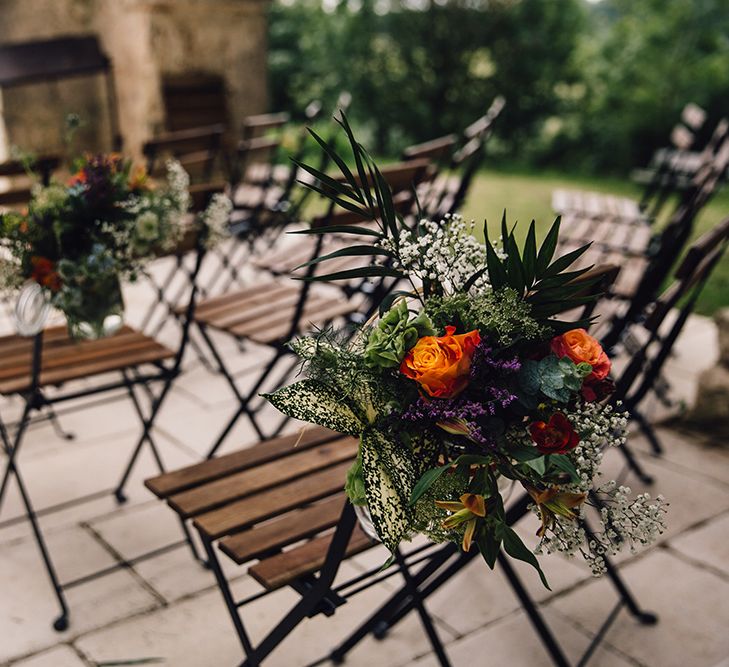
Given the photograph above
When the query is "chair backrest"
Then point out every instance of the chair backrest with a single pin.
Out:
(483, 126)
(260, 124)
(194, 99)
(21, 176)
(402, 175)
(438, 150)
(197, 149)
(469, 158)
(672, 169)
(667, 246)
(598, 282)
(689, 278)
(174, 274)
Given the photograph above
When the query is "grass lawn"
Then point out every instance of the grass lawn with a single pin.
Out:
(528, 195)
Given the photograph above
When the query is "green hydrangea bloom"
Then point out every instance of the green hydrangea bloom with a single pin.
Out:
(395, 334)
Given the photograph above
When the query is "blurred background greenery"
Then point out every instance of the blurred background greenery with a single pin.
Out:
(592, 88)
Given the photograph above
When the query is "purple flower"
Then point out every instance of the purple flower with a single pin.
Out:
(488, 393)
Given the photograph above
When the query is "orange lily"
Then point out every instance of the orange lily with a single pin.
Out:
(469, 509)
(551, 502)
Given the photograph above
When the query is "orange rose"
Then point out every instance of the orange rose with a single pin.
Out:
(138, 178)
(441, 364)
(580, 347)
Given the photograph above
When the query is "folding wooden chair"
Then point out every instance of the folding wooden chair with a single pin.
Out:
(447, 193)
(643, 272)
(38, 370)
(199, 150)
(279, 507)
(268, 314)
(619, 232)
(655, 336)
(671, 171)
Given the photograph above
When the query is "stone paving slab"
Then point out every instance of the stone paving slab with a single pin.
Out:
(512, 641)
(691, 603)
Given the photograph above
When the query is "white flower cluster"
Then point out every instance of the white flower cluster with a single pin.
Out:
(599, 426)
(216, 217)
(178, 184)
(623, 520)
(445, 252)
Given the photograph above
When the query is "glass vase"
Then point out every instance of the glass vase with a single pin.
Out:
(100, 311)
(31, 309)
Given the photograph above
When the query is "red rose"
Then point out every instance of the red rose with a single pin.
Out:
(597, 390)
(45, 274)
(555, 436)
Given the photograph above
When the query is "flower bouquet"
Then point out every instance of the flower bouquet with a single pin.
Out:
(78, 240)
(467, 385)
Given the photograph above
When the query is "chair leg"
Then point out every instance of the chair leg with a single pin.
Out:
(140, 413)
(243, 401)
(643, 617)
(145, 437)
(61, 622)
(396, 607)
(633, 464)
(425, 618)
(222, 582)
(545, 634)
(56, 424)
(648, 431)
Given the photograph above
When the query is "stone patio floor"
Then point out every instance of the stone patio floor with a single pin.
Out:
(167, 610)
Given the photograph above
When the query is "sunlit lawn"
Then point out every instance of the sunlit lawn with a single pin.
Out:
(528, 195)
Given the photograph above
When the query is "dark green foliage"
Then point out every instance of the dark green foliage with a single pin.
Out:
(415, 74)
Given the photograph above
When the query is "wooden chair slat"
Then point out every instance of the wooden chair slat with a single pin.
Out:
(317, 312)
(283, 568)
(58, 356)
(151, 354)
(244, 513)
(208, 471)
(248, 482)
(281, 532)
(435, 149)
(271, 306)
(268, 312)
(238, 297)
(64, 358)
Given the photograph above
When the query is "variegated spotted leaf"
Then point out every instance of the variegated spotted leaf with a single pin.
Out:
(389, 479)
(313, 402)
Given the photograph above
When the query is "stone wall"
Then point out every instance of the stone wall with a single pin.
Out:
(146, 40)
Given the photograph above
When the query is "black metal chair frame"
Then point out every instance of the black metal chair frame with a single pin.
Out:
(35, 400)
(670, 242)
(179, 145)
(281, 351)
(439, 564)
(647, 361)
(465, 161)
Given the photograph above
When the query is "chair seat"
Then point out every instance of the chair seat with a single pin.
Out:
(612, 233)
(261, 502)
(285, 261)
(632, 267)
(66, 359)
(263, 312)
(595, 204)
